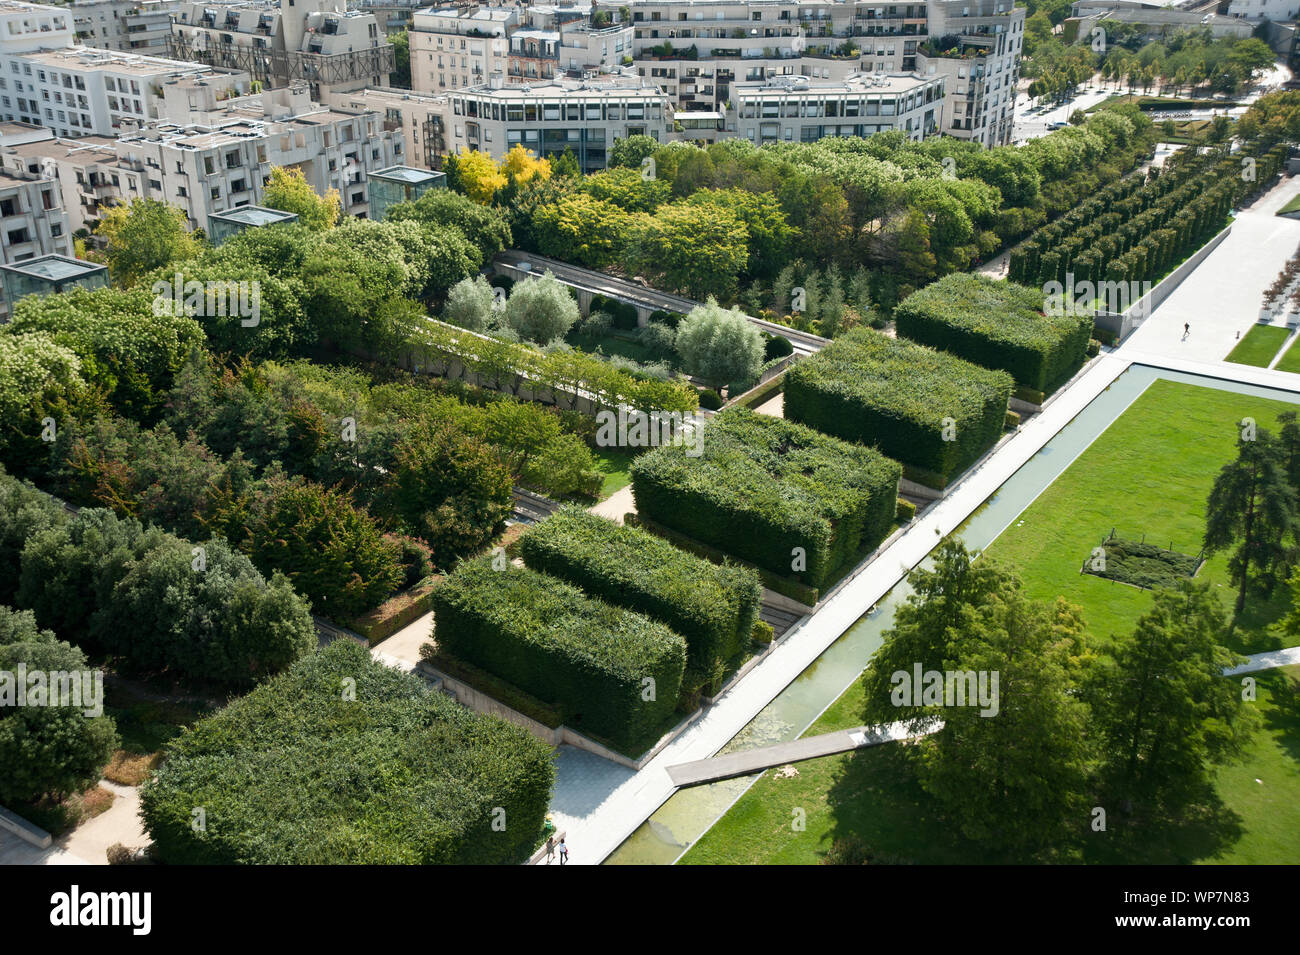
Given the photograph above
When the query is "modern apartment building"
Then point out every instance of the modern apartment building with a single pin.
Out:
(132, 26)
(795, 109)
(281, 42)
(453, 48)
(32, 220)
(976, 44)
(584, 116)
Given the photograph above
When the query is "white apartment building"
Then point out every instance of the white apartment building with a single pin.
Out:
(32, 220)
(798, 110)
(976, 44)
(584, 116)
(454, 48)
(25, 27)
(1277, 10)
(281, 42)
(218, 161)
(80, 91)
(132, 26)
(421, 118)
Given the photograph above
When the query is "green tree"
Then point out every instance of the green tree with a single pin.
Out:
(698, 251)
(146, 235)
(1253, 507)
(400, 78)
(55, 749)
(289, 191)
(720, 345)
(541, 310)
(1165, 713)
(470, 304)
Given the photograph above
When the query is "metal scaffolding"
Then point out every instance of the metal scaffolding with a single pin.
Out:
(282, 67)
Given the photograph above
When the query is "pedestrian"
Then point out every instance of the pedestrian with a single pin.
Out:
(550, 849)
(1187, 329)
(564, 852)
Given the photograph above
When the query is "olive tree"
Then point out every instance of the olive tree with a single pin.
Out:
(720, 345)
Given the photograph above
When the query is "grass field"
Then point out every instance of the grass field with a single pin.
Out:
(1290, 361)
(1259, 346)
(616, 466)
(1149, 473)
(1292, 206)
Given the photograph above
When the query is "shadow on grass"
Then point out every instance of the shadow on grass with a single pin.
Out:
(876, 802)
(1254, 629)
(1282, 718)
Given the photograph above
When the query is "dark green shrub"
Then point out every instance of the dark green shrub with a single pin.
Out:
(793, 501)
(622, 315)
(710, 399)
(776, 346)
(713, 607)
(925, 408)
(763, 632)
(997, 325)
(906, 511)
(671, 319)
(549, 639)
(344, 760)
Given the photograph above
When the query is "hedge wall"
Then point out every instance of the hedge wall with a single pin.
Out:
(763, 486)
(712, 607)
(344, 760)
(896, 395)
(551, 640)
(999, 325)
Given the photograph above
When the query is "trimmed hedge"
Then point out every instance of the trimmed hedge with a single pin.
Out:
(551, 640)
(344, 760)
(999, 325)
(928, 409)
(1144, 565)
(713, 607)
(762, 487)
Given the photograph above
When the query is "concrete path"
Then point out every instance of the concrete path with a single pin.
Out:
(121, 822)
(1221, 300)
(616, 505)
(1267, 660)
(794, 751)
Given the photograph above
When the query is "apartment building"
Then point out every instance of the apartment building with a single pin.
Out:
(454, 48)
(281, 42)
(32, 220)
(1276, 10)
(219, 160)
(421, 118)
(585, 116)
(132, 26)
(795, 109)
(976, 44)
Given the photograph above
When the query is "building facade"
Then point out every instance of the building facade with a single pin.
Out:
(131, 26)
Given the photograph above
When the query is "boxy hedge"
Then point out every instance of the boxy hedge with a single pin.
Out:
(712, 606)
(930, 410)
(792, 500)
(999, 325)
(588, 658)
(343, 760)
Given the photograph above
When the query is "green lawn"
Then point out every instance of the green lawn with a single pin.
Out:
(616, 465)
(1292, 206)
(1290, 360)
(1164, 451)
(1259, 346)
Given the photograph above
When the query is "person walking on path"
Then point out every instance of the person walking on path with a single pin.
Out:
(1187, 330)
(550, 849)
(564, 853)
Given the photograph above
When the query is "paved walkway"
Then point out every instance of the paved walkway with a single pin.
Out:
(794, 751)
(616, 505)
(1267, 660)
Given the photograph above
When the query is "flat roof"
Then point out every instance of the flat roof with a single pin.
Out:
(405, 174)
(54, 268)
(254, 215)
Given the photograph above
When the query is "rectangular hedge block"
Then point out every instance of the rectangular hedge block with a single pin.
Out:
(997, 324)
(789, 499)
(928, 409)
(712, 607)
(548, 638)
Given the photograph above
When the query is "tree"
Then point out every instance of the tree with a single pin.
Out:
(441, 209)
(289, 191)
(1165, 713)
(541, 310)
(698, 251)
(332, 551)
(581, 229)
(632, 151)
(521, 166)
(720, 345)
(1253, 506)
(46, 749)
(476, 175)
(146, 235)
(400, 78)
(38, 379)
(470, 304)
